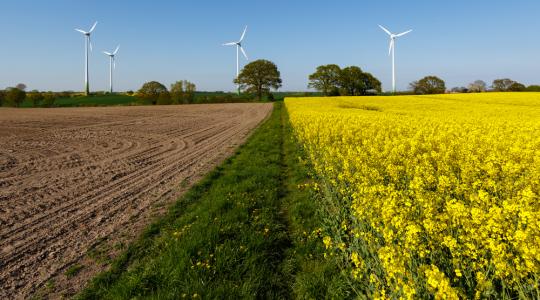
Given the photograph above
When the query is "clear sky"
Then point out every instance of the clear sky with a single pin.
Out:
(459, 40)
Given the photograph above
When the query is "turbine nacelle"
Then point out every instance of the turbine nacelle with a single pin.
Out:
(239, 43)
(88, 33)
(393, 37)
(112, 55)
(391, 50)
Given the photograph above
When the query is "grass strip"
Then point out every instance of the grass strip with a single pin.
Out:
(250, 229)
(226, 238)
(312, 274)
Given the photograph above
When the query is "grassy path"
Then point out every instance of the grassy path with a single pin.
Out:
(245, 231)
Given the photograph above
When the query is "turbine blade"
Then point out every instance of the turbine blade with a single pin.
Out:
(90, 42)
(243, 34)
(229, 44)
(385, 30)
(403, 33)
(81, 31)
(93, 27)
(114, 63)
(391, 46)
(107, 53)
(243, 52)
(115, 51)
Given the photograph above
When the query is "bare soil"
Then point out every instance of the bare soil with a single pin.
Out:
(77, 184)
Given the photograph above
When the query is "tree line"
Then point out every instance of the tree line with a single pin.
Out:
(498, 85)
(15, 96)
(257, 78)
(331, 80)
(153, 92)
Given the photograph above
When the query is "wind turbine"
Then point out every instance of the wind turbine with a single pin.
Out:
(87, 43)
(112, 64)
(391, 51)
(238, 48)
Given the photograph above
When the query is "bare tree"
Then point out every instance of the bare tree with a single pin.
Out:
(478, 86)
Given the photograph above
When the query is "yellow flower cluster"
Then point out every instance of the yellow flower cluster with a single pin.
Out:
(441, 192)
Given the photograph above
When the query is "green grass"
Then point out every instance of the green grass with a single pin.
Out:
(248, 230)
(73, 270)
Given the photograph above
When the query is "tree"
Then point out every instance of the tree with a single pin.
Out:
(349, 80)
(372, 85)
(259, 77)
(530, 88)
(478, 86)
(354, 82)
(150, 91)
(2, 97)
(182, 91)
(428, 85)
(326, 79)
(516, 87)
(502, 85)
(36, 97)
(459, 89)
(177, 92)
(189, 91)
(21, 86)
(15, 96)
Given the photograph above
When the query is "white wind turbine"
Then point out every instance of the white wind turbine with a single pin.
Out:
(112, 64)
(87, 42)
(391, 51)
(238, 48)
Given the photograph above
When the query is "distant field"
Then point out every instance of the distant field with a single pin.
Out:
(105, 100)
(200, 98)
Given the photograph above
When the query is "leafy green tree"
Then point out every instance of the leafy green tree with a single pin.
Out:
(371, 84)
(502, 85)
(533, 88)
(36, 97)
(349, 80)
(15, 96)
(150, 91)
(326, 79)
(259, 77)
(516, 87)
(189, 91)
(2, 97)
(428, 85)
(177, 92)
(182, 92)
(354, 82)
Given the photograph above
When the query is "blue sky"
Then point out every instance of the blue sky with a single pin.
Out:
(459, 41)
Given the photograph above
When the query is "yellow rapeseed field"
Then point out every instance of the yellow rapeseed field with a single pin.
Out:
(429, 196)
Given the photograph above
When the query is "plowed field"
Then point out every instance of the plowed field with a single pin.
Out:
(73, 178)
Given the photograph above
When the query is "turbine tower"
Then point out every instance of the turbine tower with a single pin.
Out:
(87, 43)
(238, 48)
(112, 64)
(391, 51)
